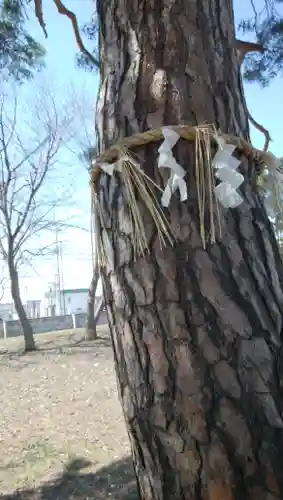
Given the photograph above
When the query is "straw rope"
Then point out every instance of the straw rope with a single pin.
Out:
(185, 132)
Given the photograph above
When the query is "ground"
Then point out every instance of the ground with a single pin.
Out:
(62, 433)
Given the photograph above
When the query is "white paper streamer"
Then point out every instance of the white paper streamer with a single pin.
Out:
(166, 159)
(226, 165)
(109, 168)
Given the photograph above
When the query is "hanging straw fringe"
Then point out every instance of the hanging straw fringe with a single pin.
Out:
(101, 256)
(134, 178)
(205, 182)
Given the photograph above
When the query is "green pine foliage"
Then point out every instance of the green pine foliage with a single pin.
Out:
(266, 28)
(91, 31)
(20, 54)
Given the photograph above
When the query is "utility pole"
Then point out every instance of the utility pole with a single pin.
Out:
(58, 276)
(62, 277)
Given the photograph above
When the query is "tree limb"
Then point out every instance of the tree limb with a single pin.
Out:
(243, 48)
(39, 15)
(62, 9)
(73, 18)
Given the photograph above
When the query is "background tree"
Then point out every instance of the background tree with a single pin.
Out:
(29, 148)
(197, 334)
(93, 310)
(20, 54)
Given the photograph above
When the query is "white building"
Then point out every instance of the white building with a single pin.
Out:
(58, 302)
(69, 301)
(74, 300)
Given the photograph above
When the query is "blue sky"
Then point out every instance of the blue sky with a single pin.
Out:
(266, 106)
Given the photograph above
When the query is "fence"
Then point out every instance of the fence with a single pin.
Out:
(12, 328)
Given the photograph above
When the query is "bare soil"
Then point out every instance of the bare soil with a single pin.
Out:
(62, 433)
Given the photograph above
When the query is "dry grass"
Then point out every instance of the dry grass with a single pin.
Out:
(62, 434)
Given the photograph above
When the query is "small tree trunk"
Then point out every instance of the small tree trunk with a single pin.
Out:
(15, 292)
(91, 333)
(197, 334)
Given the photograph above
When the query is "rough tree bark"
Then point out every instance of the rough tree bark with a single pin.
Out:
(196, 333)
(93, 313)
(15, 292)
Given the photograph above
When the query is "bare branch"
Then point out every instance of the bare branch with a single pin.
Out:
(66, 12)
(243, 48)
(36, 181)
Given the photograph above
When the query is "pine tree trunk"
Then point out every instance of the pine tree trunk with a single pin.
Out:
(15, 292)
(196, 333)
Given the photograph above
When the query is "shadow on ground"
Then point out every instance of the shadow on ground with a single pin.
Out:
(116, 481)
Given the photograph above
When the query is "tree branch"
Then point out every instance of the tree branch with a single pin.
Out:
(39, 15)
(62, 9)
(244, 48)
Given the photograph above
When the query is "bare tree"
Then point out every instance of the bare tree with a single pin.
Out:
(87, 150)
(93, 312)
(30, 141)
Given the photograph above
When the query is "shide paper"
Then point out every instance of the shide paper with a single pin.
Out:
(226, 165)
(166, 159)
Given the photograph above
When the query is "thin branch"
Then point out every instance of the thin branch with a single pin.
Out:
(35, 184)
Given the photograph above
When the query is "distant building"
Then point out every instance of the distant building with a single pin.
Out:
(48, 305)
(74, 300)
(69, 301)
(32, 308)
